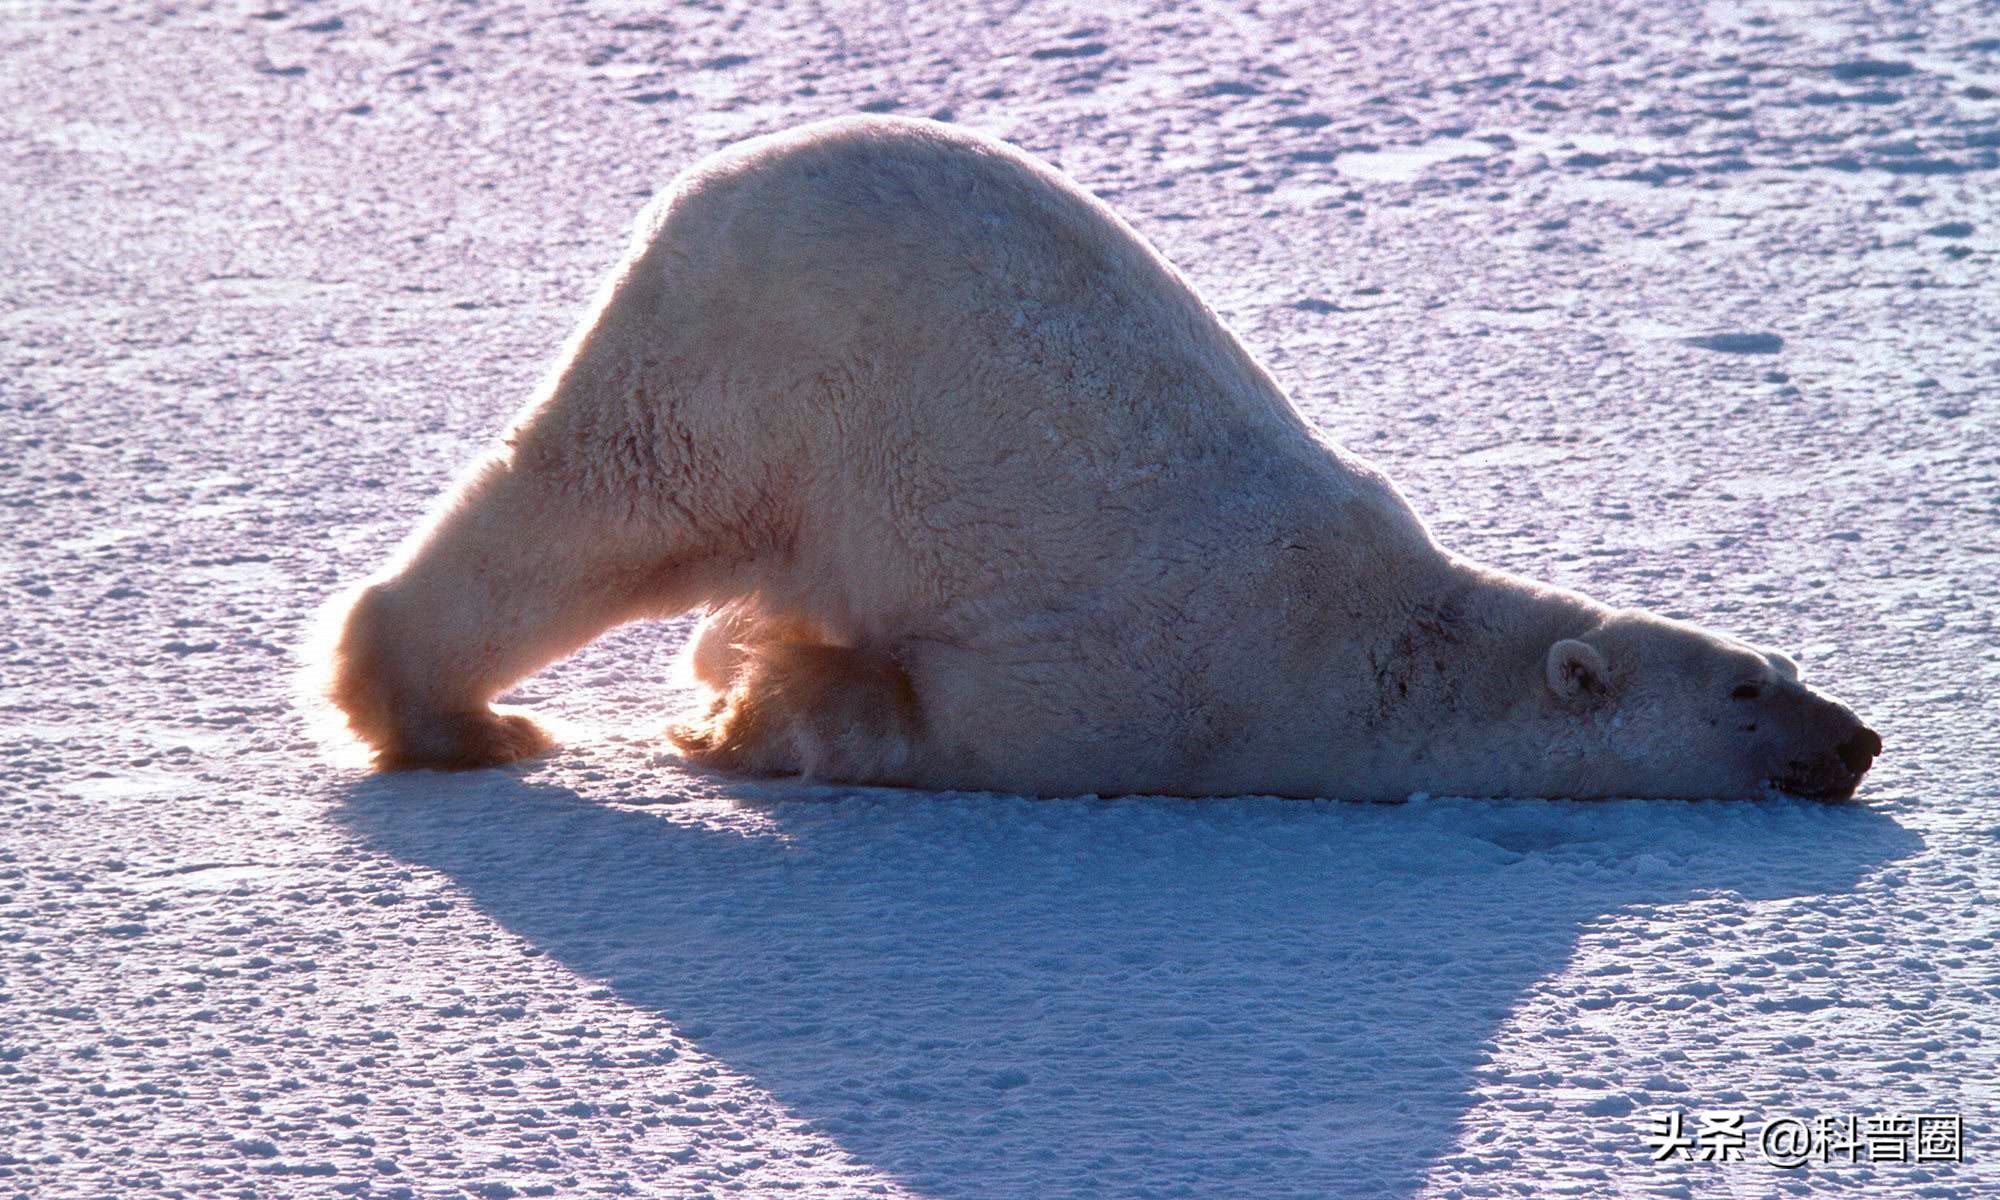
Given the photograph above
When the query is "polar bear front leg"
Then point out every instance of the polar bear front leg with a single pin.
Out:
(733, 631)
(520, 569)
(826, 712)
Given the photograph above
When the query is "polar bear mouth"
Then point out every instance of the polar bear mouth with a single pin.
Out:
(1815, 787)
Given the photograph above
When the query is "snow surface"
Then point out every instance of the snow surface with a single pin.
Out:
(1691, 306)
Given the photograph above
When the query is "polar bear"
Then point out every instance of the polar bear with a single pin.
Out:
(980, 494)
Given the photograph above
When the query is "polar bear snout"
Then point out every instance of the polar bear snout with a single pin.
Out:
(1846, 750)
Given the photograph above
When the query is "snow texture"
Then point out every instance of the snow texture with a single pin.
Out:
(1691, 308)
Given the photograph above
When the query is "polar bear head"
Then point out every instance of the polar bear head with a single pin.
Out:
(1665, 708)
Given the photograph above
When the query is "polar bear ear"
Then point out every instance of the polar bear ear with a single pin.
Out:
(1575, 669)
(1786, 664)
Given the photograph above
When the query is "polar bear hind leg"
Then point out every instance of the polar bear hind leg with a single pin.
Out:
(829, 713)
(520, 569)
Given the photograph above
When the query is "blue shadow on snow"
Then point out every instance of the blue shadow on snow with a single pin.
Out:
(994, 997)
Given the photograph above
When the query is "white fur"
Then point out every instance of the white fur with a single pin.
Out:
(903, 394)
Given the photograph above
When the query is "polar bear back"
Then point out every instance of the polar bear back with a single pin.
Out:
(941, 270)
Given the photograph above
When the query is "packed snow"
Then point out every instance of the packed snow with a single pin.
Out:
(1691, 307)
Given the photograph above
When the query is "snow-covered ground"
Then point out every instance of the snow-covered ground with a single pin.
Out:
(1690, 306)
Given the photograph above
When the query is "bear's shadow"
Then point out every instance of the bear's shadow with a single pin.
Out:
(996, 997)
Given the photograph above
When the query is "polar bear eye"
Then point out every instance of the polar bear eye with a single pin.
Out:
(1746, 691)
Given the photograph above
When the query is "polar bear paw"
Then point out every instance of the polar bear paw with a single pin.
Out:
(823, 712)
(463, 742)
(371, 665)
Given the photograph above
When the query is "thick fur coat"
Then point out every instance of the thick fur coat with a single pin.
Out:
(980, 494)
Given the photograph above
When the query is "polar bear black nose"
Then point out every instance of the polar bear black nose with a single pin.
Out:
(1859, 751)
